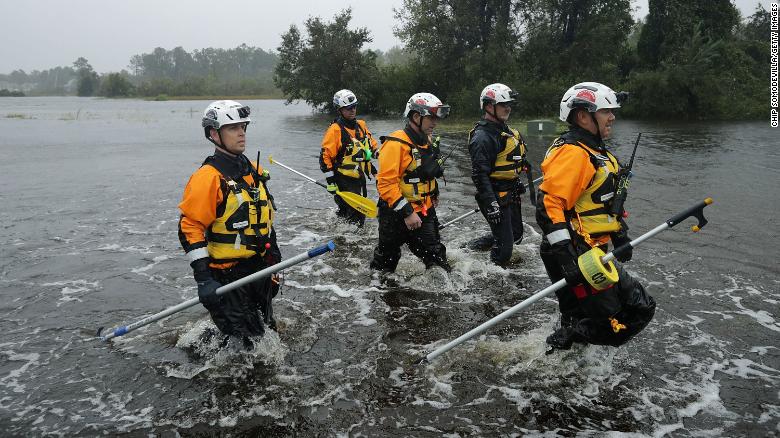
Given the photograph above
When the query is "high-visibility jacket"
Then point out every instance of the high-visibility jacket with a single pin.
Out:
(226, 217)
(579, 183)
(408, 172)
(346, 150)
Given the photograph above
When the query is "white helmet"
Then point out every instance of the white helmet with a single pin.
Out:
(426, 104)
(224, 112)
(496, 93)
(592, 96)
(344, 98)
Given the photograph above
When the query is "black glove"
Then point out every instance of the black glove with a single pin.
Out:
(517, 192)
(520, 188)
(622, 253)
(493, 213)
(567, 260)
(332, 186)
(207, 286)
(207, 293)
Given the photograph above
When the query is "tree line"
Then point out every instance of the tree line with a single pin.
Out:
(243, 70)
(689, 59)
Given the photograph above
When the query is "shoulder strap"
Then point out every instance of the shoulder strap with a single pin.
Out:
(383, 139)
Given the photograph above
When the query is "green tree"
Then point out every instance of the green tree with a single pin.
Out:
(456, 44)
(670, 24)
(88, 80)
(116, 85)
(574, 40)
(329, 58)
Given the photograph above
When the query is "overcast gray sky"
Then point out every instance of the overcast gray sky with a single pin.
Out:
(40, 34)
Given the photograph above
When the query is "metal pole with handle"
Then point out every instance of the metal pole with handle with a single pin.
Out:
(122, 330)
(696, 211)
(476, 209)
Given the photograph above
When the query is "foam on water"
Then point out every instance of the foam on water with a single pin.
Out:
(73, 289)
(210, 353)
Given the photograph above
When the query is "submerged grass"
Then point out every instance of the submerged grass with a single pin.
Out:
(18, 116)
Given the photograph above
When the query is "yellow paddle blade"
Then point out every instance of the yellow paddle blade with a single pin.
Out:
(359, 203)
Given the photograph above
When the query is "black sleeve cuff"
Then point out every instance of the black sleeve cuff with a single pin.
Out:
(406, 210)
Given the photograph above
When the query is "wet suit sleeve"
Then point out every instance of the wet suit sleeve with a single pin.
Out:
(483, 151)
(391, 167)
(567, 172)
(198, 211)
(331, 142)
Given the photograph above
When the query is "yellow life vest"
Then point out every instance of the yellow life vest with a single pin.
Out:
(354, 158)
(590, 215)
(419, 178)
(511, 160)
(242, 230)
(417, 184)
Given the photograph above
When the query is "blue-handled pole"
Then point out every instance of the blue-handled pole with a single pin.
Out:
(119, 331)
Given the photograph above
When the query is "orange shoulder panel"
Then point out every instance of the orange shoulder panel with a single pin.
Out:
(567, 172)
(199, 203)
(393, 160)
(331, 143)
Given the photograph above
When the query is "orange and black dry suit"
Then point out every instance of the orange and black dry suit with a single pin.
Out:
(572, 210)
(408, 168)
(226, 229)
(345, 158)
(497, 161)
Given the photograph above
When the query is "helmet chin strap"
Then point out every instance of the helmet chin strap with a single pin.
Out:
(596, 123)
(418, 125)
(494, 114)
(220, 146)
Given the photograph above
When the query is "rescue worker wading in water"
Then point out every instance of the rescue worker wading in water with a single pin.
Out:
(408, 191)
(497, 160)
(573, 211)
(226, 226)
(345, 158)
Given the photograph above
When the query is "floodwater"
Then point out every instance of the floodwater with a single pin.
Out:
(89, 190)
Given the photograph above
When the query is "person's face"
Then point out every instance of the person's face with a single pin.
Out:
(232, 138)
(603, 126)
(427, 123)
(502, 111)
(604, 118)
(349, 112)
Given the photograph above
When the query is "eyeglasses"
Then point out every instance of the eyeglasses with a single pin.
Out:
(349, 107)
